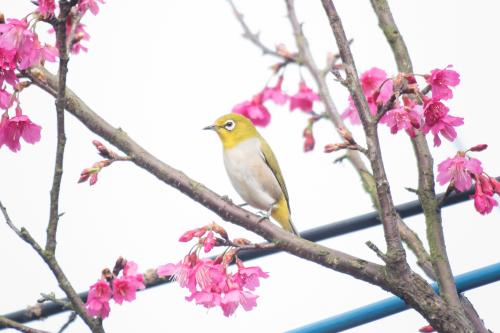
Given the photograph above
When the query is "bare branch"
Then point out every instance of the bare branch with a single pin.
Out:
(61, 278)
(71, 319)
(389, 217)
(20, 327)
(60, 28)
(254, 37)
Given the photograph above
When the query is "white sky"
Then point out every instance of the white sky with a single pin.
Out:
(162, 71)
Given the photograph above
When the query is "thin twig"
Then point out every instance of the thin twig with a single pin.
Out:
(377, 251)
(72, 317)
(60, 28)
(388, 105)
(20, 327)
(61, 278)
(254, 37)
(51, 297)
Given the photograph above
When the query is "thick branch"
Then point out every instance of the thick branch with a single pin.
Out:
(425, 163)
(20, 327)
(426, 192)
(337, 260)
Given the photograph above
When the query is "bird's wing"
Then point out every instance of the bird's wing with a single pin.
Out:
(267, 154)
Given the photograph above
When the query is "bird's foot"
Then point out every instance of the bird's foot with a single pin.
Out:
(242, 205)
(265, 215)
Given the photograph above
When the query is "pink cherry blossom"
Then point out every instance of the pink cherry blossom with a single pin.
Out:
(7, 73)
(130, 273)
(402, 118)
(190, 234)
(254, 110)
(84, 5)
(98, 299)
(495, 184)
(22, 46)
(304, 98)
(124, 289)
(275, 93)
(248, 277)
(437, 121)
(15, 128)
(377, 90)
(5, 99)
(486, 185)
(441, 80)
(208, 299)
(372, 79)
(46, 7)
(236, 297)
(209, 275)
(182, 272)
(459, 170)
(483, 202)
(13, 33)
(209, 242)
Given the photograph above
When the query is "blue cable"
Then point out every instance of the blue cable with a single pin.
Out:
(392, 305)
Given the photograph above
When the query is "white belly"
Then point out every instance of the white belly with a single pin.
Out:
(251, 177)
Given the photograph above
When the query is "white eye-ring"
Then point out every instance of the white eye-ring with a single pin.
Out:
(229, 125)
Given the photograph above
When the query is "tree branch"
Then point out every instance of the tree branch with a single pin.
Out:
(409, 236)
(60, 28)
(254, 37)
(395, 252)
(336, 260)
(20, 327)
(307, 60)
(61, 278)
(426, 193)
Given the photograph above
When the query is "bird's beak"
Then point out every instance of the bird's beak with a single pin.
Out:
(211, 127)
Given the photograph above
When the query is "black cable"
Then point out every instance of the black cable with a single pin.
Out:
(360, 222)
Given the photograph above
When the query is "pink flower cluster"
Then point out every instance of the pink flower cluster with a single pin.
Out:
(461, 170)
(19, 50)
(122, 288)
(431, 117)
(257, 112)
(209, 281)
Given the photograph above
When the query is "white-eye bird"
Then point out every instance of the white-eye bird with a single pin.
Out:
(253, 168)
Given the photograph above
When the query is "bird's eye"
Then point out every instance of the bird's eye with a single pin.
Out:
(229, 125)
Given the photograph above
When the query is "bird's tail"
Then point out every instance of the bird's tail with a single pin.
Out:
(281, 214)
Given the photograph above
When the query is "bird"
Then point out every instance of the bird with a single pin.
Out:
(253, 169)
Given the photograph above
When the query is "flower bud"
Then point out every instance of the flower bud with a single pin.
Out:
(331, 147)
(107, 275)
(309, 139)
(479, 147)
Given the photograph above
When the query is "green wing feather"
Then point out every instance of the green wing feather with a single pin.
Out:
(268, 156)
